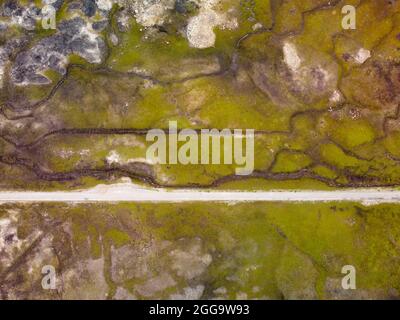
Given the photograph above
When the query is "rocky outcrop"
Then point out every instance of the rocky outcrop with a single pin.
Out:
(75, 36)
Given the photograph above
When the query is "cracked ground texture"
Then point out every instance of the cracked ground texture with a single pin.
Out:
(77, 102)
(323, 100)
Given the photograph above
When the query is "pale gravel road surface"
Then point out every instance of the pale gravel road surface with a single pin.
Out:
(128, 192)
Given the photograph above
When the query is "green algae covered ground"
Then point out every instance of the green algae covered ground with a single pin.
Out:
(323, 100)
(77, 102)
(242, 251)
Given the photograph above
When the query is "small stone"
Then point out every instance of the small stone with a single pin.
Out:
(89, 7)
(100, 25)
(114, 39)
(362, 56)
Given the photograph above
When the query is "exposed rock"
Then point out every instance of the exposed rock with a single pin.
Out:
(105, 5)
(155, 285)
(312, 75)
(89, 7)
(186, 6)
(362, 56)
(114, 39)
(189, 293)
(100, 25)
(149, 13)
(335, 291)
(3, 26)
(121, 267)
(55, 4)
(190, 262)
(291, 56)
(85, 281)
(123, 21)
(74, 36)
(200, 29)
(25, 17)
(123, 294)
(11, 246)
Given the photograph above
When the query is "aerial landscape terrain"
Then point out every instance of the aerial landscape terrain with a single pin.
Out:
(310, 89)
(199, 251)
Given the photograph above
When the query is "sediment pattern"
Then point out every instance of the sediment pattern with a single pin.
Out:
(324, 101)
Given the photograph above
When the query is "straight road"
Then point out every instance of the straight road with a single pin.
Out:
(128, 192)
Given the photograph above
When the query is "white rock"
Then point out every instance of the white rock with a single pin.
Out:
(92, 55)
(4, 229)
(105, 5)
(336, 97)
(113, 157)
(257, 26)
(362, 56)
(200, 29)
(291, 57)
(189, 293)
(149, 13)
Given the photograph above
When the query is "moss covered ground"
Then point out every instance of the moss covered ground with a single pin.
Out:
(332, 122)
(236, 251)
